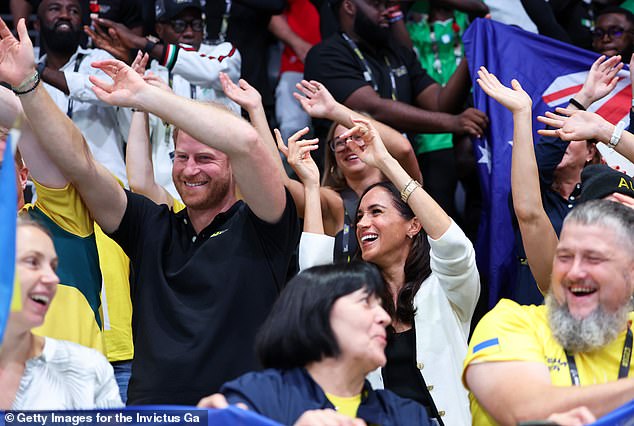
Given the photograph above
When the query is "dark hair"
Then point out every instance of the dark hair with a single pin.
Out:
(417, 267)
(298, 331)
(617, 10)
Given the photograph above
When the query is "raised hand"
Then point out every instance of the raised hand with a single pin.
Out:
(140, 63)
(109, 41)
(572, 124)
(156, 81)
(514, 99)
(601, 80)
(17, 62)
(297, 154)
(242, 93)
(364, 140)
(124, 35)
(126, 87)
(317, 100)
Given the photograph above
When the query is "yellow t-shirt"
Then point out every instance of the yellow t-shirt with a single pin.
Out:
(74, 314)
(115, 298)
(346, 405)
(84, 311)
(510, 332)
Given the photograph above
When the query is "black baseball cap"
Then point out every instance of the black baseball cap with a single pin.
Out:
(168, 9)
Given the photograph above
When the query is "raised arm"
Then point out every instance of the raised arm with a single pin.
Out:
(538, 236)
(59, 137)
(319, 103)
(367, 144)
(139, 167)
(250, 100)
(251, 161)
(569, 125)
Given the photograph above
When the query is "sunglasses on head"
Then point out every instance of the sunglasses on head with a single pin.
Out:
(179, 25)
(613, 32)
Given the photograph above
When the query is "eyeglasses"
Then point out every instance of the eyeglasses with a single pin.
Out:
(613, 32)
(337, 144)
(180, 25)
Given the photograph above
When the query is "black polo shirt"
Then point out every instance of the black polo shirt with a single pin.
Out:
(198, 300)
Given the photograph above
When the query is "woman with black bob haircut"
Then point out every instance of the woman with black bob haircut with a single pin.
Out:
(325, 333)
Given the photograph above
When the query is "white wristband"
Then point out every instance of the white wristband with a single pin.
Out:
(632, 102)
(616, 135)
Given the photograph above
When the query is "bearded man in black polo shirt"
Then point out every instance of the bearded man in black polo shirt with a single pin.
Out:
(205, 278)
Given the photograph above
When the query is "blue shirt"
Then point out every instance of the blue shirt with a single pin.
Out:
(284, 395)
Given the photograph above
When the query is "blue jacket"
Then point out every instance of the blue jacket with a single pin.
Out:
(284, 395)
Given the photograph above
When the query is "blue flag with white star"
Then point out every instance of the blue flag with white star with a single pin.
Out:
(8, 208)
(551, 72)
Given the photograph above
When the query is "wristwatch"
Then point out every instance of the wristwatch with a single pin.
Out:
(151, 42)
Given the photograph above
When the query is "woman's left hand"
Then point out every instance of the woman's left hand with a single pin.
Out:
(364, 140)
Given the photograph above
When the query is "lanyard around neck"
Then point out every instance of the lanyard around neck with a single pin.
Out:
(624, 365)
(69, 108)
(367, 73)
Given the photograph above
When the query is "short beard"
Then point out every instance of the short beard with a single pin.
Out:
(586, 334)
(370, 32)
(64, 42)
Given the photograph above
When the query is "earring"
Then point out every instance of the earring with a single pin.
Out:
(410, 236)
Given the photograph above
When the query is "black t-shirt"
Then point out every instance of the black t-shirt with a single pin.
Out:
(198, 300)
(334, 63)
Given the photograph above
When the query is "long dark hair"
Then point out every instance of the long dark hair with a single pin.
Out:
(417, 267)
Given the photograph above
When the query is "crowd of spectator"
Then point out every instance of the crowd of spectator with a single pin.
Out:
(275, 203)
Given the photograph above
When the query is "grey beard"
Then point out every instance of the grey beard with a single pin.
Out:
(587, 334)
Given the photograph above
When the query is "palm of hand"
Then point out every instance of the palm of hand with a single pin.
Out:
(307, 169)
(126, 84)
(512, 99)
(596, 86)
(247, 97)
(14, 61)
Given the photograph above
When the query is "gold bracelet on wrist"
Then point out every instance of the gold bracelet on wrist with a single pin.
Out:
(407, 190)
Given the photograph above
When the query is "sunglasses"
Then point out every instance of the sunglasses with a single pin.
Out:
(613, 32)
(180, 25)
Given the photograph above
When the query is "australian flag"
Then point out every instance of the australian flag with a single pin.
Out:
(551, 72)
